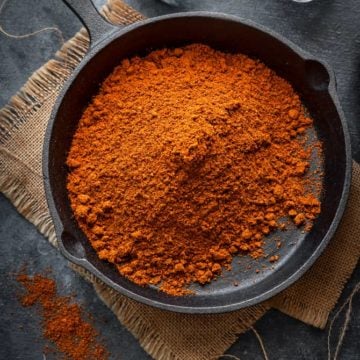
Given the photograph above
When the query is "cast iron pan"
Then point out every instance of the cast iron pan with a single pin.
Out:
(311, 78)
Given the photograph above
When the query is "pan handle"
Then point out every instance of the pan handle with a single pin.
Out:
(95, 23)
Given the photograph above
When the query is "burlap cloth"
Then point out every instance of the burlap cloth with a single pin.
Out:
(162, 334)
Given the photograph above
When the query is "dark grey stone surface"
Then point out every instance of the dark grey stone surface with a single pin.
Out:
(330, 29)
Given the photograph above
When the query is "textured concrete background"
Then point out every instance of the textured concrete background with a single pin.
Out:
(330, 29)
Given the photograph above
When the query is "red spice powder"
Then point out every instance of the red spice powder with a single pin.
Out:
(63, 321)
(187, 157)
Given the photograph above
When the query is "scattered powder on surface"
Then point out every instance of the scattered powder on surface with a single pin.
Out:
(63, 321)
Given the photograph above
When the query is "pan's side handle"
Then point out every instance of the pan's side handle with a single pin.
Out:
(95, 23)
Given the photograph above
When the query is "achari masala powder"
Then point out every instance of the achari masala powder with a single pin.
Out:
(185, 158)
(63, 321)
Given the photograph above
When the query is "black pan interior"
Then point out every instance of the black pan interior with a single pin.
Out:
(241, 286)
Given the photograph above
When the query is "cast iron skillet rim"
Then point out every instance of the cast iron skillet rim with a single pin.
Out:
(111, 36)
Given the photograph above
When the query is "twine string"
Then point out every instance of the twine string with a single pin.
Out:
(345, 325)
(24, 36)
(261, 342)
(348, 302)
(259, 339)
(66, 60)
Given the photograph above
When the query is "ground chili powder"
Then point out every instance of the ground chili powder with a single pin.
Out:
(63, 321)
(185, 158)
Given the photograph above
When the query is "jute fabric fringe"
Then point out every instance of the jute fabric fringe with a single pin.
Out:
(162, 334)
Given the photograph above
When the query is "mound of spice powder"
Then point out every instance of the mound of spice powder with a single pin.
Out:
(185, 158)
(63, 321)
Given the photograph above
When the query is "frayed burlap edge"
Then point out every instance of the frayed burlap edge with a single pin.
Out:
(317, 318)
(344, 245)
(27, 207)
(50, 77)
(43, 83)
(128, 312)
(48, 81)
